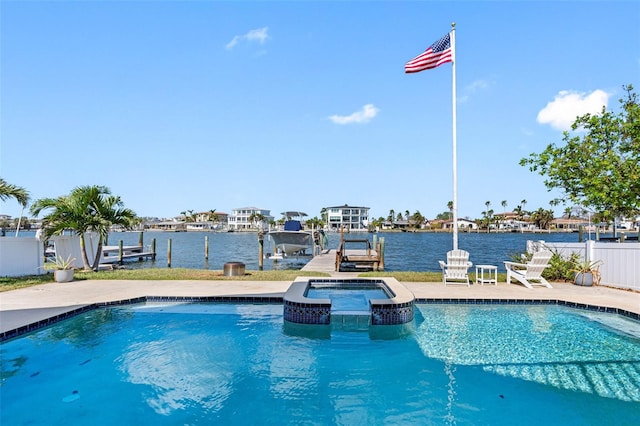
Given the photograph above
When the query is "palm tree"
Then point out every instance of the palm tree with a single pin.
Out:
(392, 214)
(542, 218)
(486, 213)
(450, 207)
(504, 211)
(8, 190)
(257, 219)
(324, 215)
(417, 219)
(85, 209)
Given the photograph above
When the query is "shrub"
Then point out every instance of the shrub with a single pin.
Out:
(560, 268)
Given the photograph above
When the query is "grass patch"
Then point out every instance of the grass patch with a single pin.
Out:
(420, 277)
(178, 274)
(408, 276)
(14, 283)
(183, 274)
(192, 274)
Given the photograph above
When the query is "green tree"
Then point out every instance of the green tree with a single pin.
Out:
(417, 220)
(542, 218)
(324, 215)
(85, 209)
(599, 163)
(443, 216)
(377, 223)
(8, 190)
(256, 219)
(487, 216)
(314, 223)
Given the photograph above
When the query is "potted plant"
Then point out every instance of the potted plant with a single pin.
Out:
(64, 269)
(587, 272)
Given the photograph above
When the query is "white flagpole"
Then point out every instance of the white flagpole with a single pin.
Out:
(455, 171)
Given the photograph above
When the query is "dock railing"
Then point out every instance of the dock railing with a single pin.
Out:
(366, 258)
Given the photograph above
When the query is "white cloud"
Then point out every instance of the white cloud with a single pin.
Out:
(259, 35)
(365, 115)
(471, 89)
(477, 85)
(567, 106)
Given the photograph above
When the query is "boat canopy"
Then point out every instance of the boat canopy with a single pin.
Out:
(292, 225)
(293, 214)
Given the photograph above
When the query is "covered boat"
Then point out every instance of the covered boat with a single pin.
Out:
(293, 239)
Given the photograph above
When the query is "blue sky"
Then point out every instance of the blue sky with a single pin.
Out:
(203, 105)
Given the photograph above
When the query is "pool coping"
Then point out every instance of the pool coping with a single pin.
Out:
(28, 309)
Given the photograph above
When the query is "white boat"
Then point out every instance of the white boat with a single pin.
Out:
(293, 239)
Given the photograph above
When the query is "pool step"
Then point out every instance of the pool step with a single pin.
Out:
(350, 320)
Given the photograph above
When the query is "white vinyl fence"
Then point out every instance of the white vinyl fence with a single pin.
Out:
(621, 261)
(25, 256)
(21, 256)
(68, 247)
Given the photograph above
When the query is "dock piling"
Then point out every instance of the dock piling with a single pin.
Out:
(260, 250)
(169, 253)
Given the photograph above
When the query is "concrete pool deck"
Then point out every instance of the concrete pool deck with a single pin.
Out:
(19, 308)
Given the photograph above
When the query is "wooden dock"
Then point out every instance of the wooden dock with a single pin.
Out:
(323, 262)
(112, 254)
(358, 259)
(346, 259)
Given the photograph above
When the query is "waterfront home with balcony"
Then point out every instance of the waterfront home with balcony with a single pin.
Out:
(347, 218)
(250, 218)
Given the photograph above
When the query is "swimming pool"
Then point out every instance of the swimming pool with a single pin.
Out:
(224, 363)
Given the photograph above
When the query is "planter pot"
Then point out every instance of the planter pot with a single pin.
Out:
(584, 278)
(63, 275)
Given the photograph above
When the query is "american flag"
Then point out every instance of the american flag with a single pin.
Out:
(437, 54)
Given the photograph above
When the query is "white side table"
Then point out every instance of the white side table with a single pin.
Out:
(487, 274)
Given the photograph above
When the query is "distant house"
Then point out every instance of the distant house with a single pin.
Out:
(239, 220)
(462, 224)
(404, 225)
(348, 218)
(569, 224)
(168, 226)
(207, 221)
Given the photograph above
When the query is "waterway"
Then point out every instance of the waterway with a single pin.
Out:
(404, 251)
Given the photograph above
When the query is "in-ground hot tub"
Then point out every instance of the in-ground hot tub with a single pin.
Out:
(393, 306)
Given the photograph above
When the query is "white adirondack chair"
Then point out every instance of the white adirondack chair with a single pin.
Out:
(456, 270)
(530, 273)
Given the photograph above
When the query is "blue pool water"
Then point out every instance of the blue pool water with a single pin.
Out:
(235, 364)
(346, 299)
